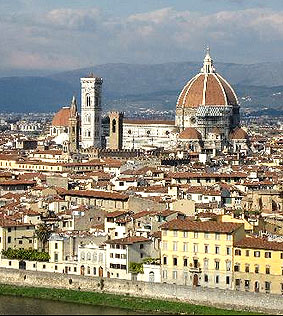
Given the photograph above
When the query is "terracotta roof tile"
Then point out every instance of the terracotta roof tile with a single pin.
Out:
(128, 240)
(62, 117)
(259, 243)
(189, 225)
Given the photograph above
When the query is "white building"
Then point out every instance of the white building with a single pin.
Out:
(91, 88)
(148, 134)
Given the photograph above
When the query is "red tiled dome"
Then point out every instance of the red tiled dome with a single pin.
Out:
(238, 133)
(207, 88)
(62, 117)
(190, 133)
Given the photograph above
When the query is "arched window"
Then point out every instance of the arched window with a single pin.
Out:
(87, 100)
(151, 276)
(114, 126)
(87, 118)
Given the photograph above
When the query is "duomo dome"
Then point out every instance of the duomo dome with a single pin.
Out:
(207, 102)
(207, 88)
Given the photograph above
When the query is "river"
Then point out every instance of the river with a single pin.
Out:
(12, 305)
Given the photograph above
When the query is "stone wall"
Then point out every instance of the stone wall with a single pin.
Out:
(218, 298)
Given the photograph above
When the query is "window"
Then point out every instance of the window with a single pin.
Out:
(195, 234)
(9, 229)
(175, 261)
(141, 246)
(237, 252)
(237, 268)
(267, 254)
(205, 263)
(206, 235)
(175, 233)
(227, 280)
(185, 262)
(217, 279)
(256, 269)
(228, 251)
(175, 275)
(195, 247)
(247, 268)
(185, 246)
(247, 284)
(206, 249)
(9, 240)
(56, 257)
(20, 242)
(205, 278)
(229, 237)
(281, 255)
(164, 274)
(228, 265)
(87, 100)
(114, 123)
(185, 234)
(217, 264)
(257, 254)
(165, 260)
(267, 270)
(164, 232)
(238, 282)
(217, 236)
(175, 245)
(217, 250)
(247, 253)
(165, 245)
(267, 287)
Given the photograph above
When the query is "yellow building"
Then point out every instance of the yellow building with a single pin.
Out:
(17, 236)
(199, 253)
(226, 218)
(258, 265)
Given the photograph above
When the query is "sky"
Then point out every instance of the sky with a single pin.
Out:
(55, 35)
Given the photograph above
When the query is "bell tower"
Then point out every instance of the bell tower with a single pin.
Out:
(116, 130)
(91, 89)
(73, 127)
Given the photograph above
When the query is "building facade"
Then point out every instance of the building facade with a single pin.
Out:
(91, 89)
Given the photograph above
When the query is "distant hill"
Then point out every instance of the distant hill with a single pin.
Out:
(149, 86)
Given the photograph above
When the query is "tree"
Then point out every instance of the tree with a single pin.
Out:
(43, 233)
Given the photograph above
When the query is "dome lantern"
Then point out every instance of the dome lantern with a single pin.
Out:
(208, 67)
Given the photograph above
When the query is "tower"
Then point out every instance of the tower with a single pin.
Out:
(116, 130)
(73, 127)
(91, 88)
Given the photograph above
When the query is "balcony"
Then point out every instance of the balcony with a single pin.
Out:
(195, 267)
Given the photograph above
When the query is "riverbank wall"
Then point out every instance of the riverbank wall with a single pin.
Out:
(259, 302)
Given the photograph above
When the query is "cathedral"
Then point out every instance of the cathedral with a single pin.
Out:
(207, 120)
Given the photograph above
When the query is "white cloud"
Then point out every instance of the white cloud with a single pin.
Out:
(69, 38)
